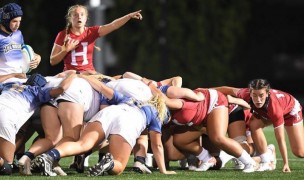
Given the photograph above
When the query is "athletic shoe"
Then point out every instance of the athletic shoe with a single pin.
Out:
(6, 169)
(79, 163)
(273, 160)
(24, 164)
(266, 166)
(104, 165)
(238, 164)
(183, 163)
(45, 164)
(59, 171)
(249, 168)
(204, 166)
(35, 166)
(141, 168)
(192, 167)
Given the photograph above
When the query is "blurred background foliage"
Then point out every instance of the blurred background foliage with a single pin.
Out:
(207, 42)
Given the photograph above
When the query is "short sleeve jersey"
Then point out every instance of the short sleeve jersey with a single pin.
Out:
(10, 52)
(192, 112)
(81, 58)
(18, 96)
(280, 104)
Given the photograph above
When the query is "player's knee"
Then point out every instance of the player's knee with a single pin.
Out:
(298, 152)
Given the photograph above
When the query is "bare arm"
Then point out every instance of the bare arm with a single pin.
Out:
(117, 23)
(172, 104)
(158, 152)
(99, 86)
(227, 90)
(241, 102)
(12, 75)
(59, 52)
(279, 134)
(186, 93)
(176, 81)
(64, 85)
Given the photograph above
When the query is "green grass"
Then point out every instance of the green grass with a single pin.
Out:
(296, 165)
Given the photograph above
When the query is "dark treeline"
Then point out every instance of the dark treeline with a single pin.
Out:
(207, 42)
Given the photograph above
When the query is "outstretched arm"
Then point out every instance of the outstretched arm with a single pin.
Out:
(117, 23)
(239, 101)
(172, 104)
(227, 90)
(280, 137)
(99, 86)
(158, 152)
(176, 81)
(12, 75)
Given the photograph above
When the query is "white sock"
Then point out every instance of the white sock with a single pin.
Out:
(204, 155)
(225, 157)
(245, 158)
(265, 157)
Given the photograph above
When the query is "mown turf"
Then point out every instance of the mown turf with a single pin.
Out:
(296, 165)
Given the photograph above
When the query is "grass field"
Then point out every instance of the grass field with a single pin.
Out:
(296, 165)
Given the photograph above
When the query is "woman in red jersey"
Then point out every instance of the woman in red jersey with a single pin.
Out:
(211, 112)
(74, 45)
(271, 106)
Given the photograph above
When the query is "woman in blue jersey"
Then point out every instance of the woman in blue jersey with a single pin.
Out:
(121, 123)
(17, 103)
(11, 41)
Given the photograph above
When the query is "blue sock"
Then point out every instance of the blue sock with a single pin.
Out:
(29, 154)
(54, 153)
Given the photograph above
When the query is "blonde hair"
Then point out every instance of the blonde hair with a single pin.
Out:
(159, 103)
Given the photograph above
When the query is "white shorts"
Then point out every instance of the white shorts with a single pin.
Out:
(131, 88)
(10, 122)
(81, 92)
(123, 120)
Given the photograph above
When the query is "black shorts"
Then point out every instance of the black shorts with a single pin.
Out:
(237, 115)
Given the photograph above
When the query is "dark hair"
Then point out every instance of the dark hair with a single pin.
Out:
(258, 84)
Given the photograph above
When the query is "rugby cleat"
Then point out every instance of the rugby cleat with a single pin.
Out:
(106, 164)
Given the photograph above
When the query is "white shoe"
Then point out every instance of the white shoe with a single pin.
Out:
(266, 166)
(273, 161)
(25, 166)
(141, 168)
(249, 168)
(204, 166)
(45, 163)
(238, 164)
(59, 171)
(192, 168)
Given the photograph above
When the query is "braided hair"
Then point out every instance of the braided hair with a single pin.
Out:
(258, 84)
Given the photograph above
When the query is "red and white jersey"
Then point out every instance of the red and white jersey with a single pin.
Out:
(195, 112)
(279, 106)
(81, 58)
